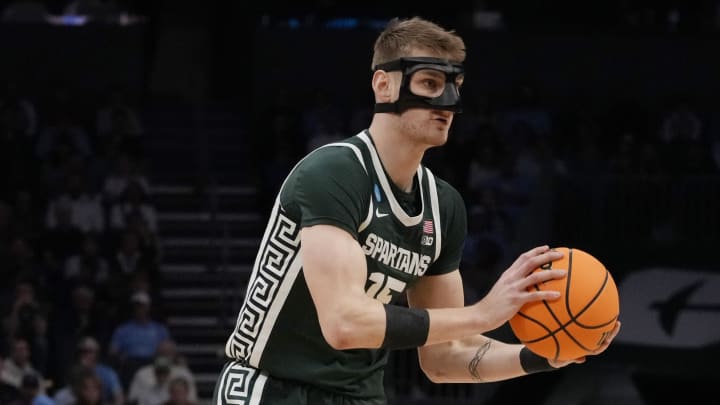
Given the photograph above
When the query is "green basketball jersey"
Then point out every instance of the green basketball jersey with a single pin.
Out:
(341, 184)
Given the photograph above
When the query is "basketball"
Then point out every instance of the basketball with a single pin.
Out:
(576, 323)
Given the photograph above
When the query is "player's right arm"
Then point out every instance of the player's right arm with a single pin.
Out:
(335, 272)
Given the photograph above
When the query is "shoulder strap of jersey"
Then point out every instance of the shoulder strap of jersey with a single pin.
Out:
(359, 156)
(435, 206)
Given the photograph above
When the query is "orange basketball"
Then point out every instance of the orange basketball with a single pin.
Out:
(577, 322)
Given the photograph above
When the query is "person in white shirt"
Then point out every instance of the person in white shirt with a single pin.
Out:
(18, 365)
(151, 384)
(86, 210)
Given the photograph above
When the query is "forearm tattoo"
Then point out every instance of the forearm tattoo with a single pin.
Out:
(475, 362)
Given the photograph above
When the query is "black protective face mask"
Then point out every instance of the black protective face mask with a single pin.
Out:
(430, 83)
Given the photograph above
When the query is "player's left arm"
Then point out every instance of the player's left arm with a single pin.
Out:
(477, 358)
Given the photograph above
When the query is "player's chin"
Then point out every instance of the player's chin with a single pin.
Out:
(438, 136)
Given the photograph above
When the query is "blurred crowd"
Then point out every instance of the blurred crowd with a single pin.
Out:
(81, 317)
(504, 146)
(81, 322)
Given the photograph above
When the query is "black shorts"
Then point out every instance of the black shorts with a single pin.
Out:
(239, 384)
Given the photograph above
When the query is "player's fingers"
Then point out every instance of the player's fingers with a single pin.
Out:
(536, 251)
(524, 257)
(608, 339)
(612, 334)
(539, 260)
(550, 295)
(539, 277)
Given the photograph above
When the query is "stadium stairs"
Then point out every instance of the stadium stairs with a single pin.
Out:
(209, 228)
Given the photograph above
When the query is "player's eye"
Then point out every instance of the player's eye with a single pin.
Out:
(430, 84)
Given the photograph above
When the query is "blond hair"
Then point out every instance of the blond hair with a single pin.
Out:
(400, 37)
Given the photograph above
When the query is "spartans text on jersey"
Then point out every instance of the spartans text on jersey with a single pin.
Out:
(396, 257)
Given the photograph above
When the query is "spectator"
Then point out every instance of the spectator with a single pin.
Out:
(681, 124)
(684, 145)
(147, 239)
(31, 393)
(123, 172)
(7, 391)
(134, 200)
(27, 216)
(134, 343)
(63, 239)
(18, 111)
(128, 257)
(150, 384)
(87, 389)
(88, 266)
(21, 260)
(526, 117)
(17, 130)
(485, 167)
(322, 120)
(86, 210)
(62, 138)
(19, 365)
(27, 322)
(82, 317)
(178, 366)
(77, 376)
(119, 126)
(179, 392)
(89, 352)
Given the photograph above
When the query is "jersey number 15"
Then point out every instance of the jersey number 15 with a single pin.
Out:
(382, 287)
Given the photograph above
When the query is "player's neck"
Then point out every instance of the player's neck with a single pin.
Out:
(399, 155)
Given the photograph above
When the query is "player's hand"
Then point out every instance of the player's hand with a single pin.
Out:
(511, 292)
(603, 346)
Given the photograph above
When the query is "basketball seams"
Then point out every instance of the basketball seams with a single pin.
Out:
(568, 284)
(589, 304)
(550, 334)
(573, 317)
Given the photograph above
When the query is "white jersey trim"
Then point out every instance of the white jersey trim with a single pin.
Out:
(395, 207)
(354, 148)
(273, 275)
(435, 204)
(272, 314)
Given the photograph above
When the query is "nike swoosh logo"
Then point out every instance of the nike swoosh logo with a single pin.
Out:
(380, 214)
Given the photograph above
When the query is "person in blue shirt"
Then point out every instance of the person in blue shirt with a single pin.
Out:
(134, 342)
(88, 356)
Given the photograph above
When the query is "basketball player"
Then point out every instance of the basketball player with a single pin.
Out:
(358, 223)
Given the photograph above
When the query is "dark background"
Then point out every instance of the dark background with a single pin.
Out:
(231, 95)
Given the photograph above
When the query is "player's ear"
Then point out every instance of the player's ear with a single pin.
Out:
(382, 86)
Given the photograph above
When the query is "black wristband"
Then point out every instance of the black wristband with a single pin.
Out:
(405, 327)
(532, 363)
